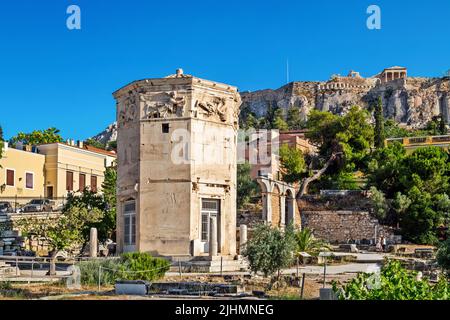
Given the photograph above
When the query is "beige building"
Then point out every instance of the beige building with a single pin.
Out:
(176, 144)
(21, 174)
(51, 171)
(72, 168)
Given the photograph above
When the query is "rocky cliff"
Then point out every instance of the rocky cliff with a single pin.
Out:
(108, 135)
(411, 101)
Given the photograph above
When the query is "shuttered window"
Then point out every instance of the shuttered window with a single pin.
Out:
(82, 182)
(29, 180)
(93, 183)
(10, 177)
(69, 180)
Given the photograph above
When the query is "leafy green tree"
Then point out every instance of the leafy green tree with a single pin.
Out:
(443, 256)
(64, 232)
(279, 122)
(436, 126)
(379, 124)
(344, 141)
(393, 283)
(87, 199)
(306, 242)
(400, 205)
(385, 168)
(294, 120)
(292, 162)
(393, 130)
(94, 143)
(417, 185)
(50, 135)
(442, 125)
(379, 203)
(112, 145)
(270, 249)
(107, 225)
(426, 212)
(105, 202)
(247, 188)
(350, 134)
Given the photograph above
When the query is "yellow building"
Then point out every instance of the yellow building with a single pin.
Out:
(21, 174)
(51, 171)
(72, 168)
(412, 143)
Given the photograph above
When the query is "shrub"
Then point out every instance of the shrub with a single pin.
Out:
(270, 249)
(393, 283)
(142, 266)
(443, 256)
(306, 242)
(130, 266)
(90, 270)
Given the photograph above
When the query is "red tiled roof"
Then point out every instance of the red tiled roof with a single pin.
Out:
(98, 150)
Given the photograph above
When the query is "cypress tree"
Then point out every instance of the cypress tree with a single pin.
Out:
(442, 126)
(379, 124)
(1, 142)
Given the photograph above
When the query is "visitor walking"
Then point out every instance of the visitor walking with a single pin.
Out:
(383, 243)
(379, 248)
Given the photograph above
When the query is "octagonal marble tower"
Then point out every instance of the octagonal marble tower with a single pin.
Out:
(176, 184)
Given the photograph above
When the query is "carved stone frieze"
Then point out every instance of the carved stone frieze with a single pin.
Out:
(163, 105)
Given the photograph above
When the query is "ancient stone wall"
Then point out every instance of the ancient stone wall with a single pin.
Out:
(342, 226)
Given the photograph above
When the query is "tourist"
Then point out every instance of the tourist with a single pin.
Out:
(383, 243)
(379, 248)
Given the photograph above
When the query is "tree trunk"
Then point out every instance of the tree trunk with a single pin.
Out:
(317, 175)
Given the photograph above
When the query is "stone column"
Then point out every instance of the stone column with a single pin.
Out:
(93, 243)
(212, 236)
(243, 237)
(267, 206)
(282, 210)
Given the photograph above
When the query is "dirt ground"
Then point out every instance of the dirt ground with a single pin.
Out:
(282, 289)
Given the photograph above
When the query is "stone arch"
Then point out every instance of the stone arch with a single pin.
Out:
(278, 200)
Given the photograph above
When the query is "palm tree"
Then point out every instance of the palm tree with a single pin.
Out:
(306, 242)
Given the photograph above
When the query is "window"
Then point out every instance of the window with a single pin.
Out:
(210, 208)
(69, 180)
(29, 180)
(165, 128)
(10, 177)
(93, 183)
(129, 213)
(82, 182)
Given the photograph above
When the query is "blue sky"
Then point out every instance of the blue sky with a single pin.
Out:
(51, 76)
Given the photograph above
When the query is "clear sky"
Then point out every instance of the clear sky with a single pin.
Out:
(52, 76)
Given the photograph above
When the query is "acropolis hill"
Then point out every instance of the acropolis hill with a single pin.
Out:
(411, 101)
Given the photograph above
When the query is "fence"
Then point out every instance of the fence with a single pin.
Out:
(33, 269)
